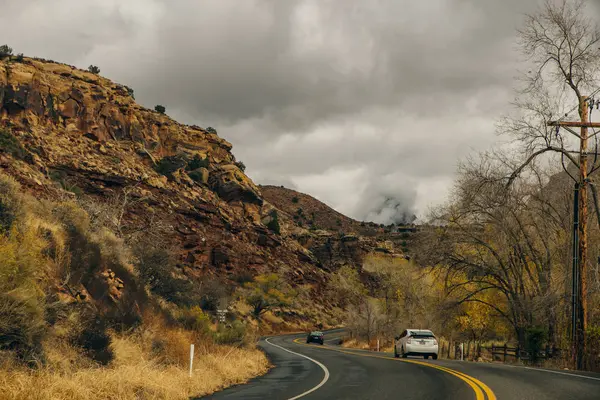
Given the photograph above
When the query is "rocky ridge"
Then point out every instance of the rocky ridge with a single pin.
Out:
(70, 133)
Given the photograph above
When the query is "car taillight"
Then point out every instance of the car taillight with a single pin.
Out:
(409, 341)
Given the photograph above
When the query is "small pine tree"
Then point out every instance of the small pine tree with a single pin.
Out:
(241, 166)
(94, 69)
(273, 224)
(210, 129)
(130, 92)
(5, 51)
(160, 109)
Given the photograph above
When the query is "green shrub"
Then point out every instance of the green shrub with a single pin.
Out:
(210, 129)
(160, 109)
(231, 334)
(155, 266)
(19, 57)
(273, 224)
(535, 339)
(11, 145)
(5, 51)
(194, 318)
(295, 199)
(63, 180)
(130, 92)
(167, 165)
(94, 69)
(196, 176)
(241, 165)
(197, 162)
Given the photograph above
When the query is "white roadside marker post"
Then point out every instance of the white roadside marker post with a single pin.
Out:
(191, 358)
(462, 351)
(378, 345)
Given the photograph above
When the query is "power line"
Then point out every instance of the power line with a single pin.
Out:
(595, 92)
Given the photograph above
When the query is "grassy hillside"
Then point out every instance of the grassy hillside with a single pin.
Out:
(81, 318)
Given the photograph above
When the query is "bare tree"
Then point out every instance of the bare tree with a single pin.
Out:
(562, 42)
(505, 240)
(364, 319)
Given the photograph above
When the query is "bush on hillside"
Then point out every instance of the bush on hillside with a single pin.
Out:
(11, 145)
(241, 165)
(234, 333)
(10, 203)
(197, 162)
(22, 267)
(160, 109)
(95, 342)
(167, 165)
(155, 266)
(194, 318)
(5, 51)
(266, 292)
(130, 92)
(22, 326)
(273, 223)
(212, 291)
(94, 69)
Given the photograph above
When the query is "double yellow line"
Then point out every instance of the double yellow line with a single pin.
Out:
(482, 391)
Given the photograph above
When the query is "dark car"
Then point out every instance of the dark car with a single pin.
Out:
(315, 337)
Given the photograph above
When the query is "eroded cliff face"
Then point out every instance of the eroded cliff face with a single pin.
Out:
(84, 134)
(74, 134)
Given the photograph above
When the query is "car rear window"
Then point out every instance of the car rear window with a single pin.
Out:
(423, 336)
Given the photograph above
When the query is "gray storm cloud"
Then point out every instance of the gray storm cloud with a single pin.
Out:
(365, 105)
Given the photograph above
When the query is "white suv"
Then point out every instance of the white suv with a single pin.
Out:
(416, 342)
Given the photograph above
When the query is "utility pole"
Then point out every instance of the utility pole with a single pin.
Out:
(579, 311)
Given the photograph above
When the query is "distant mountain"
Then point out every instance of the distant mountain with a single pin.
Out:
(309, 212)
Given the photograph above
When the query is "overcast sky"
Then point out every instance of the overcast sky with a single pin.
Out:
(366, 105)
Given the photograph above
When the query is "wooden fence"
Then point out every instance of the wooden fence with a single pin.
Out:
(495, 352)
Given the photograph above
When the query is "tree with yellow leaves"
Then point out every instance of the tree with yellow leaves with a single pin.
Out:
(266, 292)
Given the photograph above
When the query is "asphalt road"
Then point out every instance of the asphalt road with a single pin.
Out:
(304, 371)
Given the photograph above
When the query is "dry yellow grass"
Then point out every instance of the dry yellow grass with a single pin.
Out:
(136, 373)
(363, 345)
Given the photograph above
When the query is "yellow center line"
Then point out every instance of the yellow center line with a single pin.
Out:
(478, 387)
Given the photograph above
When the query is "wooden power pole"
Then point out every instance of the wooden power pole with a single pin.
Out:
(580, 281)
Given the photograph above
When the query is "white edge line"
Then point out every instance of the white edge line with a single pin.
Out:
(324, 368)
(562, 373)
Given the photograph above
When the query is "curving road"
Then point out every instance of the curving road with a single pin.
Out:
(329, 372)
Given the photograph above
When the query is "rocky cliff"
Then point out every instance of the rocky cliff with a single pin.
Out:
(69, 133)
(331, 237)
